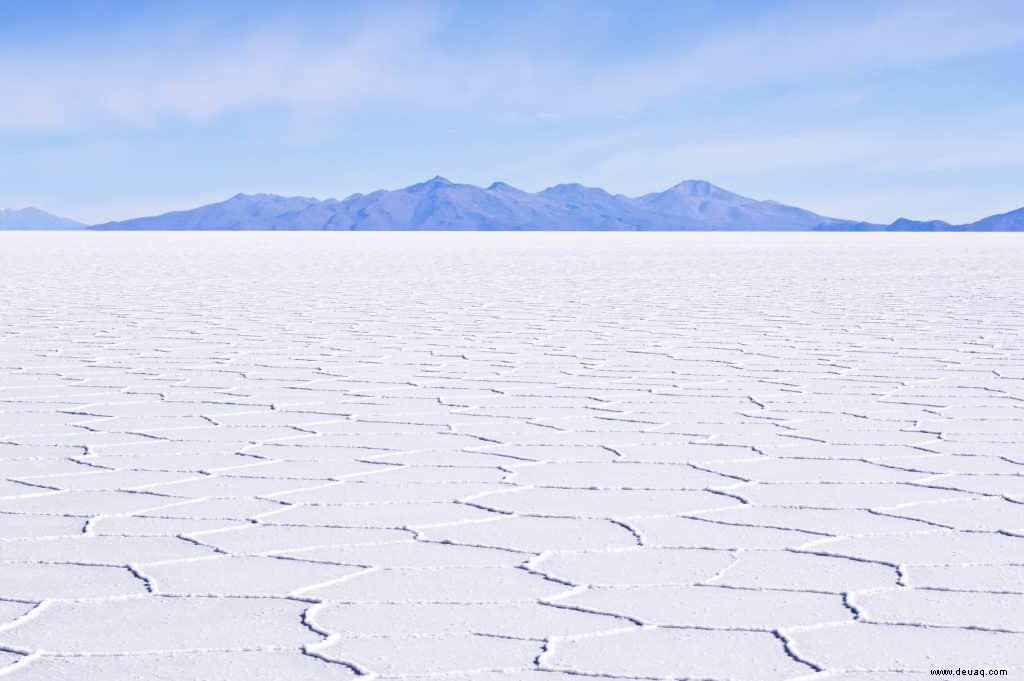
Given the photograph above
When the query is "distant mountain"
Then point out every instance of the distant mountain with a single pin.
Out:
(443, 205)
(240, 212)
(702, 205)
(1004, 222)
(439, 204)
(35, 219)
(906, 225)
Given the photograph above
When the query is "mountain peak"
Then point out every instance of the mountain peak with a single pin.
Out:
(440, 204)
(432, 183)
(698, 188)
(572, 188)
(27, 210)
(908, 224)
(242, 197)
(501, 186)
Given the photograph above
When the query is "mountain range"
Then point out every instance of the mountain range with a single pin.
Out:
(439, 204)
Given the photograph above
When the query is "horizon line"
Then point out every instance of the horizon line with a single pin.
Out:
(495, 185)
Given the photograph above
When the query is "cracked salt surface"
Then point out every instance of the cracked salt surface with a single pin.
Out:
(473, 457)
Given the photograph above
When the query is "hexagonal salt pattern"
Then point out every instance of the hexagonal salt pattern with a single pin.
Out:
(474, 457)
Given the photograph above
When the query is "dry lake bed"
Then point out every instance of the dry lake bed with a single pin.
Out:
(483, 457)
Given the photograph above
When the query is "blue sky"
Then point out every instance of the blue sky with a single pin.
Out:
(867, 110)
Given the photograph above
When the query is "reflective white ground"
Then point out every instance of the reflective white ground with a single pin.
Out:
(510, 456)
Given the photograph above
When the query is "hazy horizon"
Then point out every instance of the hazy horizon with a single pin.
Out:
(877, 111)
(448, 181)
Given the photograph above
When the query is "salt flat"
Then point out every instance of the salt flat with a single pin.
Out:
(475, 457)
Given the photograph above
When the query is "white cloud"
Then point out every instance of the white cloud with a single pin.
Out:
(400, 59)
(194, 81)
(795, 47)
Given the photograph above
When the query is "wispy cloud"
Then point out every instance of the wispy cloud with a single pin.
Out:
(193, 78)
(882, 149)
(401, 59)
(808, 103)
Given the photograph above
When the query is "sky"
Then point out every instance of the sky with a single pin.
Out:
(870, 110)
